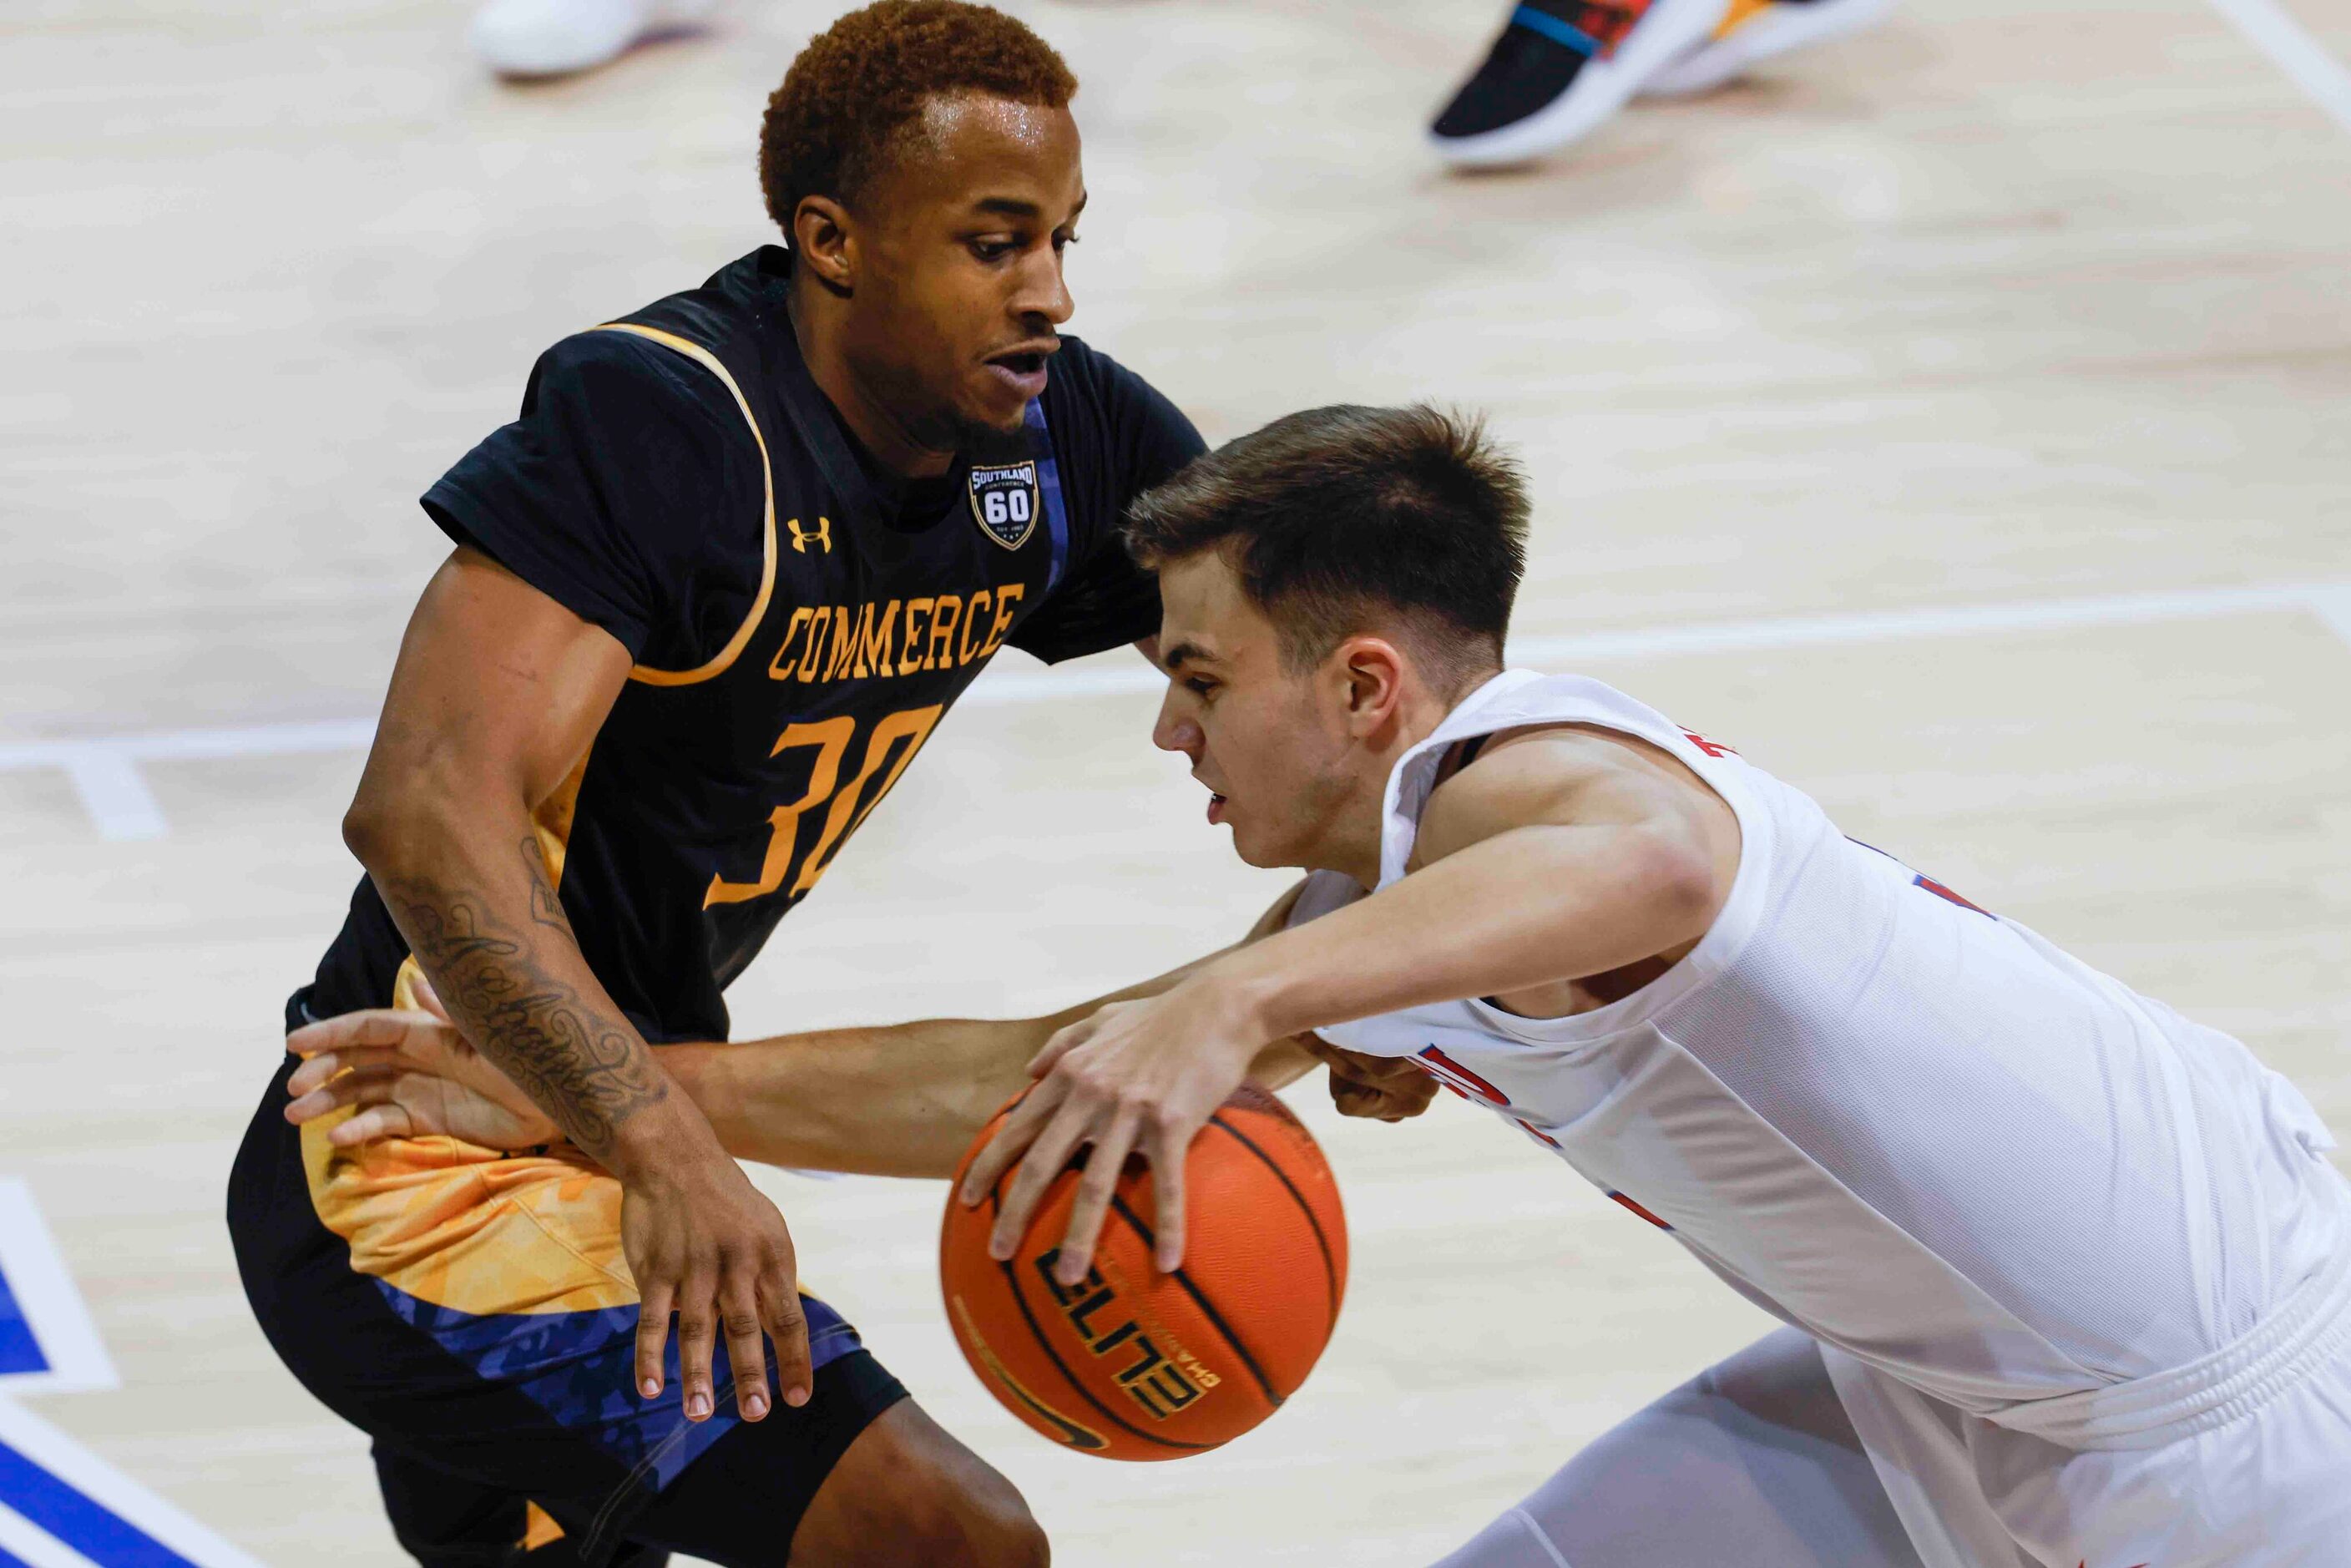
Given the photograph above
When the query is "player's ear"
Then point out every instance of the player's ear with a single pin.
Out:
(1373, 673)
(821, 240)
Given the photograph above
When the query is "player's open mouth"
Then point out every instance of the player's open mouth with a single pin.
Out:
(1024, 369)
(1215, 808)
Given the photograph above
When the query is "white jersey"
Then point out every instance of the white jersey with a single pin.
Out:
(1912, 1128)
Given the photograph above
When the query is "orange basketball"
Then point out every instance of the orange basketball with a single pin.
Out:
(1136, 1365)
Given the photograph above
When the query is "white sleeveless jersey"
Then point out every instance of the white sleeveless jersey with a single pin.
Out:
(1912, 1128)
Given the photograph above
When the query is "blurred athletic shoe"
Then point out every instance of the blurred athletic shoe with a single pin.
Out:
(1560, 68)
(1753, 32)
(554, 37)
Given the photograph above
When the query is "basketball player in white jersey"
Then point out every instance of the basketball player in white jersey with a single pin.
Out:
(2067, 1277)
(2068, 1281)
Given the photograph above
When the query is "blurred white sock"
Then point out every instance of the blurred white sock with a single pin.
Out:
(552, 37)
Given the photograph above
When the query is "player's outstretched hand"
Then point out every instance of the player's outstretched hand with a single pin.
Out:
(702, 1241)
(408, 1072)
(1383, 1088)
(706, 1244)
(1136, 1076)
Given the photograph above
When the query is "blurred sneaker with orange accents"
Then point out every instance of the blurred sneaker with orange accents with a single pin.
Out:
(1755, 30)
(1560, 69)
(557, 37)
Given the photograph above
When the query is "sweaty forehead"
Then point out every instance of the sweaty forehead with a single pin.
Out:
(971, 149)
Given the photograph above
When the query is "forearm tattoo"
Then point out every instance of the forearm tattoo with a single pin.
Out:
(588, 1071)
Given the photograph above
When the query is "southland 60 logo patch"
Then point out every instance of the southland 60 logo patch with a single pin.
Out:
(1004, 502)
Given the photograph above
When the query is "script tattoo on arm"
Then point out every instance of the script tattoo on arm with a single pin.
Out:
(588, 1071)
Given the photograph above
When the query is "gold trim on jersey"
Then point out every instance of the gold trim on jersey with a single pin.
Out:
(551, 821)
(736, 643)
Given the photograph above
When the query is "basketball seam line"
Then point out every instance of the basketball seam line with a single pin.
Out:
(1201, 1302)
(1012, 1280)
(1329, 1264)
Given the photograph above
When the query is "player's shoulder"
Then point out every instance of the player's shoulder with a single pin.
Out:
(667, 354)
(1080, 360)
(1082, 374)
(1523, 777)
(623, 373)
(1106, 410)
(1086, 375)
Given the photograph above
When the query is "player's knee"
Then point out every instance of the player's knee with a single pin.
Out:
(1013, 1537)
(906, 1492)
(983, 1524)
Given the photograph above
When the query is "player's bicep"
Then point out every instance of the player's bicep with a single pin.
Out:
(496, 684)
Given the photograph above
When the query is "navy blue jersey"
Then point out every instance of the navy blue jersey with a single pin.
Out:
(800, 620)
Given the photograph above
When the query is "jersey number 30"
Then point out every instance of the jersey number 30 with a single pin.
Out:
(903, 732)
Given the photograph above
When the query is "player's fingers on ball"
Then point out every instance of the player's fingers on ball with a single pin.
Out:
(1043, 1162)
(747, 1347)
(697, 1337)
(653, 1334)
(1066, 1039)
(1168, 1148)
(1095, 1190)
(429, 1000)
(1029, 1114)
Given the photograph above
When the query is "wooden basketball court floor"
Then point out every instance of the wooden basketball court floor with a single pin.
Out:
(1954, 420)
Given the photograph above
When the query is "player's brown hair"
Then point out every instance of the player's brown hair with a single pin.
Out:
(852, 99)
(1337, 515)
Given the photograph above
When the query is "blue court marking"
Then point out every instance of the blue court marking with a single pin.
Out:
(1557, 31)
(1049, 483)
(96, 1532)
(10, 1560)
(19, 1350)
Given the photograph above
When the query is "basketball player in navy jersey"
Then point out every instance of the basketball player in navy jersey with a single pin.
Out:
(708, 597)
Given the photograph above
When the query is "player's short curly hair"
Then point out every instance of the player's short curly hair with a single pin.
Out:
(849, 100)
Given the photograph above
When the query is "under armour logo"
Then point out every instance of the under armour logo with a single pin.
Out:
(822, 536)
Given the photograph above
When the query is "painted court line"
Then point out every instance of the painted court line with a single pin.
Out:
(62, 1495)
(67, 1516)
(1784, 632)
(47, 1343)
(105, 769)
(2271, 29)
(60, 1505)
(24, 1546)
